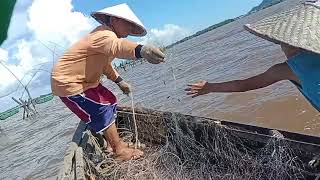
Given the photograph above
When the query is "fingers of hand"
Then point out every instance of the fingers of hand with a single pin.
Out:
(156, 60)
(157, 53)
(195, 86)
(126, 90)
(195, 89)
(191, 89)
(152, 54)
(125, 87)
(193, 94)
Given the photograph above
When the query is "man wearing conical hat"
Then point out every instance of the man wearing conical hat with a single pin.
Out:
(297, 31)
(76, 76)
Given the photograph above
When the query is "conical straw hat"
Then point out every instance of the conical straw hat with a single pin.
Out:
(122, 11)
(298, 27)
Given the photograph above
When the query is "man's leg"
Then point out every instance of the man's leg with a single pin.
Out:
(121, 149)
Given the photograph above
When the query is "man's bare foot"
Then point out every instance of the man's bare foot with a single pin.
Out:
(109, 148)
(125, 153)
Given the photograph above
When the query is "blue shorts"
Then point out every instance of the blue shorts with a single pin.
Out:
(95, 106)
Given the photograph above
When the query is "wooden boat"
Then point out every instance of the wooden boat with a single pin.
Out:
(307, 147)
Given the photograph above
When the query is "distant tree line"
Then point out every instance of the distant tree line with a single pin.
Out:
(202, 32)
(265, 4)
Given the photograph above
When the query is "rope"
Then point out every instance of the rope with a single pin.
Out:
(134, 121)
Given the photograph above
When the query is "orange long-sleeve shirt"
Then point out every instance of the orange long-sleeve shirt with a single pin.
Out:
(81, 67)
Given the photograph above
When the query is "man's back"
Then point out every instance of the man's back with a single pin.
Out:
(81, 67)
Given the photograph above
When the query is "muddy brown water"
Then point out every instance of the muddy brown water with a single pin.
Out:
(34, 148)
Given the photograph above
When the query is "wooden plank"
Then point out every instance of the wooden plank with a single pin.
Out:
(312, 145)
(302, 146)
(66, 172)
(125, 109)
(84, 141)
(17, 101)
(302, 142)
(78, 134)
(79, 162)
(276, 134)
(262, 130)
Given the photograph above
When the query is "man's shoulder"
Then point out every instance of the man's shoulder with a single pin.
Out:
(102, 31)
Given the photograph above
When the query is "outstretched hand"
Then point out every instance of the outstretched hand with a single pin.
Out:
(198, 88)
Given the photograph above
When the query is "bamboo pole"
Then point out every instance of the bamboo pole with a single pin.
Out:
(25, 106)
(25, 87)
(24, 112)
(17, 101)
(68, 163)
(79, 164)
(34, 106)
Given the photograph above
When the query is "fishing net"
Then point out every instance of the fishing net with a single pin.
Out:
(180, 147)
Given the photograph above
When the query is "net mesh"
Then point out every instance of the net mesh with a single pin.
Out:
(180, 148)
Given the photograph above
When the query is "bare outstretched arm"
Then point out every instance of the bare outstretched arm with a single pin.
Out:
(274, 74)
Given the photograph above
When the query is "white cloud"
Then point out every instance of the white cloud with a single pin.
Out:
(40, 22)
(3, 55)
(168, 35)
(56, 21)
(33, 24)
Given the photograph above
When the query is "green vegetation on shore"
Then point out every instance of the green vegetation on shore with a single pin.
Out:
(202, 32)
(264, 4)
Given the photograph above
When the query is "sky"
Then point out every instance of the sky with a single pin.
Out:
(41, 30)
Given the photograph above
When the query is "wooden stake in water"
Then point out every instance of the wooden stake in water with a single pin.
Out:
(134, 121)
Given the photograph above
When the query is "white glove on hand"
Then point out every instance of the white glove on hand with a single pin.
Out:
(152, 54)
(125, 87)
